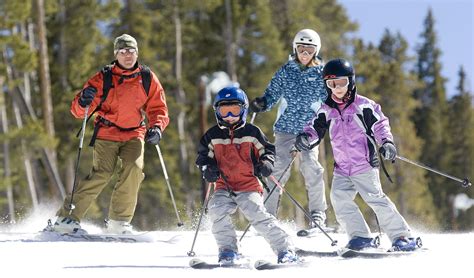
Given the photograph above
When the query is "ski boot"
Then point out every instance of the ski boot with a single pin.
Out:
(318, 217)
(65, 225)
(406, 244)
(358, 243)
(288, 256)
(228, 257)
(118, 227)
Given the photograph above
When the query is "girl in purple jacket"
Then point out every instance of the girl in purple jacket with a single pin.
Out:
(356, 126)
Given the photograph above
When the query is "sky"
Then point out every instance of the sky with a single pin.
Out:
(447, 255)
(454, 26)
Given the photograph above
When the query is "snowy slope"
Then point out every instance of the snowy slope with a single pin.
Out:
(447, 256)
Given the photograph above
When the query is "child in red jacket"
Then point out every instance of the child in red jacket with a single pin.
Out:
(232, 154)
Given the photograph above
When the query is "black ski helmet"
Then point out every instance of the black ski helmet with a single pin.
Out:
(339, 68)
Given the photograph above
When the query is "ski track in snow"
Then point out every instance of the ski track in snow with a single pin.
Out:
(448, 254)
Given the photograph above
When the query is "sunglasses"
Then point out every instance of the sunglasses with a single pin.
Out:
(309, 49)
(340, 82)
(229, 110)
(124, 51)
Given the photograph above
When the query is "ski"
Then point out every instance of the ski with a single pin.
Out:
(314, 231)
(374, 254)
(266, 265)
(201, 264)
(49, 236)
(311, 253)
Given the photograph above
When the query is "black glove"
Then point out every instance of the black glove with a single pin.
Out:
(87, 96)
(388, 151)
(153, 135)
(302, 142)
(264, 168)
(211, 172)
(258, 104)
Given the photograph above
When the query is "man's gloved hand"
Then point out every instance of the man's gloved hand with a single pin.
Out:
(153, 135)
(258, 104)
(87, 96)
(264, 168)
(388, 151)
(211, 172)
(302, 142)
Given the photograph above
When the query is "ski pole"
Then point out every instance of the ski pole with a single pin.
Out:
(270, 193)
(165, 173)
(253, 117)
(333, 242)
(464, 182)
(81, 141)
(204, 207)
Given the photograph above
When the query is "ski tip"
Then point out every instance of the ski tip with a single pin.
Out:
(302, 233)
(344, 251)
(195, 261)
(259, 264)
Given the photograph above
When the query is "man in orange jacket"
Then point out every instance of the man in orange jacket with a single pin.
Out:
(119, 134)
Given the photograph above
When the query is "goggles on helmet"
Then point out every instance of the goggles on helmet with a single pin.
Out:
(340, 82)
(309, 49)
(229, 109)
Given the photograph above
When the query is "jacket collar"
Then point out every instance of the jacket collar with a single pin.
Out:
(119, 70)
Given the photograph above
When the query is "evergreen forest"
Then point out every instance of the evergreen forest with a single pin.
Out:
(50, 48)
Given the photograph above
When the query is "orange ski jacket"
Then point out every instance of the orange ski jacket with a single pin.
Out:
(121, 115)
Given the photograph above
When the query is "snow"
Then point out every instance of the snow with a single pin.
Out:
(448, 254)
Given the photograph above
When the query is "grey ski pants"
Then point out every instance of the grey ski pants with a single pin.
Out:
(310, 168)
(221, 206)
(348, 214)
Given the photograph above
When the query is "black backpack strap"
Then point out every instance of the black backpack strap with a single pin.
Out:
(146, 78)
(106, 86)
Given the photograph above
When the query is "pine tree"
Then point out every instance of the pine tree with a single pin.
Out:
(461, 148)
(430, 118)
(409, 190)
(28, 139)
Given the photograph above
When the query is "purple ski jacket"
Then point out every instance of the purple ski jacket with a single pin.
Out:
(354, 132)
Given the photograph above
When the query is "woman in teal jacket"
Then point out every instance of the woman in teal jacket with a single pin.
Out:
(298, 86)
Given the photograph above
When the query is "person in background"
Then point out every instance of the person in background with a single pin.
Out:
(298, 86)
(232, 154)
(119, 134)
(357, 125)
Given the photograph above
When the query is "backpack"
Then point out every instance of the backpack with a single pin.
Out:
(107, 75)
(107, 85)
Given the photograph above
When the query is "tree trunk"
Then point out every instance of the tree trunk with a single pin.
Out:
(44, 78)
(64, 85)
(229, 42)
(27, 161)
(62, 53)
(26, 109)
(45, 86)
(26, 155)
(6, 156)
(180, 98)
